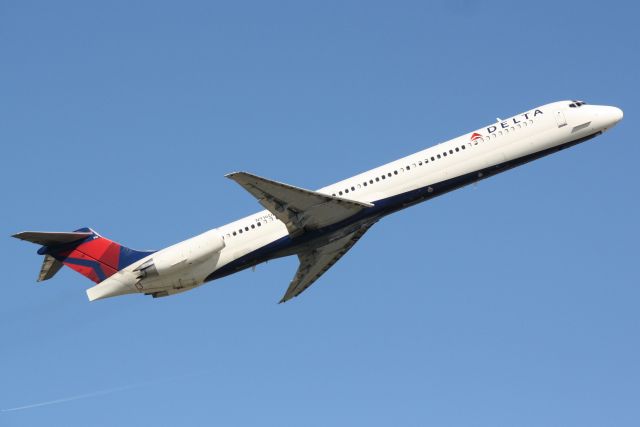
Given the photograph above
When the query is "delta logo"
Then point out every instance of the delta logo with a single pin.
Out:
(514, 120)
(504, 124)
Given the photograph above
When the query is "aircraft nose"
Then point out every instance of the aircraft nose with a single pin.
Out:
(610, 116)
(614, 115)
(617, 114)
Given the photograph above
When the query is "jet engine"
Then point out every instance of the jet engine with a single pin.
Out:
(181, 255)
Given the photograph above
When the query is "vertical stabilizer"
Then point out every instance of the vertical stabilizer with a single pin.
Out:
(83, 250)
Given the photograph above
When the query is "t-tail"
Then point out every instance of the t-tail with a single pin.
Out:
(83, 250)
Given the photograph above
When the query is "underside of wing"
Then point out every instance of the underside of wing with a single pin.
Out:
(315, 262)
(299, 209)
(50, 266)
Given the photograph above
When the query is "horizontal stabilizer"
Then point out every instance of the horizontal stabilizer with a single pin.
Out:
(50, 266)
(52, 238)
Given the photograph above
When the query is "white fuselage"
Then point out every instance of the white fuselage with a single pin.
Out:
(429, 173)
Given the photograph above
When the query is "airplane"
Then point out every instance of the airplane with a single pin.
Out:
(319, 226)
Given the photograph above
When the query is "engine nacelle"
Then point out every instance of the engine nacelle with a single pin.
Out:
(181, 255)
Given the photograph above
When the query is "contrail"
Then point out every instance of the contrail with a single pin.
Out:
(99, 392)
(72, 398)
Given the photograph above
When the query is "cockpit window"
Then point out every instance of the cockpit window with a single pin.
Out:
(576, 104)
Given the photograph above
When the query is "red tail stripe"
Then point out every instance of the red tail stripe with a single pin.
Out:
(103, 250)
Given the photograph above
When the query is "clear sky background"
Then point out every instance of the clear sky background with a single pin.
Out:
(511, 303)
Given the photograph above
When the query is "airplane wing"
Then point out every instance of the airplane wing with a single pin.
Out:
(297, 208)
(315, 262)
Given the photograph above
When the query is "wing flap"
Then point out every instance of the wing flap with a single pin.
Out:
(297, 208)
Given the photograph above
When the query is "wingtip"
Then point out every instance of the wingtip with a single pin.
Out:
(239, 174)
(20, 236)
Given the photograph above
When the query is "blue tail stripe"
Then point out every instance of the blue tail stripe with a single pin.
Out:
(95, 265)
(129, 256)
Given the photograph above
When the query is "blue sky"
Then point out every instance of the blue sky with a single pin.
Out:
(513, 302)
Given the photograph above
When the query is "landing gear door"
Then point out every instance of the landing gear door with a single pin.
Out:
(560, 119)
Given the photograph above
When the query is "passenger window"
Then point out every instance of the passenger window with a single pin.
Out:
(433, 158)
(234, 233)
(439, 156)
(444, 154)
(353, 188)
(370, 181)
(464, 148)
